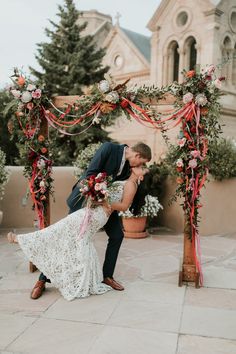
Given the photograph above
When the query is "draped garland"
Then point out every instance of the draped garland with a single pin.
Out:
(196, 112)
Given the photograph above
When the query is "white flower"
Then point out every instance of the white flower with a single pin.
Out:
(96, 120)
(16, 93)
(31, 87)
(201, 99)
(41, 164)
(26, 97)
(112, 97)
(150, 208)
(104, 86)
(42, 184)
(179, 163)
(188, 97)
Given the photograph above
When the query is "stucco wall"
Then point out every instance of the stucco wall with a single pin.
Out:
(16, 215)
(217, 214)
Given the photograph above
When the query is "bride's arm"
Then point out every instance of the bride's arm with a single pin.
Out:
(130, 189)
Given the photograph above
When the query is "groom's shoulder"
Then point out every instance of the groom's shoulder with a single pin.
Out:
(108, 145)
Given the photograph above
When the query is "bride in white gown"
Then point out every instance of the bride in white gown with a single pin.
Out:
(66, 255)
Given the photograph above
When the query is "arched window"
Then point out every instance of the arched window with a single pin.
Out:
(227, 62)
(173, 62)
(234, 67)
(190, 51)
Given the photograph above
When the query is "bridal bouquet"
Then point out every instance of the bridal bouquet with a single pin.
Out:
(95, 188)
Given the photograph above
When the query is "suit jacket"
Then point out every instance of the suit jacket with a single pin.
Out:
(107, 159)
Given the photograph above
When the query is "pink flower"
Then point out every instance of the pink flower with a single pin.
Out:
(201, 99)
(195, 154)
(16, 93)
(30, 105)
(192, 163)
(179, 163)
(210, 69)
(97, 187)
(181, 142)
(37, 93)
(188, 97)
(217, 83)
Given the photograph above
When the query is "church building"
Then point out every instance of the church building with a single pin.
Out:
(183, 34)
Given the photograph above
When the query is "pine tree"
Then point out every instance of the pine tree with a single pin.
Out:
(70, 61)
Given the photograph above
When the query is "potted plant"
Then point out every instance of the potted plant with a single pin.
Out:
(135, 224)
(4, 176)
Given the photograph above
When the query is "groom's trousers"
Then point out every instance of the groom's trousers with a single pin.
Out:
(114, 231)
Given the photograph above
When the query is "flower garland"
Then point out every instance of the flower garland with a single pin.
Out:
(27, 103)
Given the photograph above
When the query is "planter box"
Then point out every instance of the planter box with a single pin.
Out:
(135, 227)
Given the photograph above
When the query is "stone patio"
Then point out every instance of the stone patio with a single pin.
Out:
(152, 316)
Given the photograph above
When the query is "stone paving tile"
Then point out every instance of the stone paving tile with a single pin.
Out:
(116, 340)
(12, 326)
(219, 277)
(203, 345)
(93, 309)
(211, 297)
(209, 322)
(163, 293)
(57, 337)
(147, 315)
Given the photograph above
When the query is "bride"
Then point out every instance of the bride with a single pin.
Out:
(66, 255)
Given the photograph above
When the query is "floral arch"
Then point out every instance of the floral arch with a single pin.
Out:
(196, 112)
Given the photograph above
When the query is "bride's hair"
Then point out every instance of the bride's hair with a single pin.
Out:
(139, 198)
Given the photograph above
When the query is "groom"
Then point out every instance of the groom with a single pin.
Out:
(116, 160)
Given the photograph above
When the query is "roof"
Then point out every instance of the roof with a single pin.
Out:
(140, 41)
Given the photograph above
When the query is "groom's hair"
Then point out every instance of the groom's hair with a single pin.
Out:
(143, 150)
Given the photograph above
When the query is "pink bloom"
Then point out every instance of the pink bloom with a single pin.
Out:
(192, 163)
(195, 154)
(201, 99)
(97, 187)
(179, 163)
(181, 142)
(217, 83)
(37, 93)
(30, 105)
(210, 70)
(188, 97)
(16, 93)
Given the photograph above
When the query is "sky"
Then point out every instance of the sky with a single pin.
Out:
(22, 24)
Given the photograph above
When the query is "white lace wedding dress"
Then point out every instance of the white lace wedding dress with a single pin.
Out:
(65, 253)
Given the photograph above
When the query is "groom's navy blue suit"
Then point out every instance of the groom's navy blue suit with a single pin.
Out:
(107, 159)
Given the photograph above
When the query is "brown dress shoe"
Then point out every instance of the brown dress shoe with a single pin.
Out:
(112, 283)
(38, 289)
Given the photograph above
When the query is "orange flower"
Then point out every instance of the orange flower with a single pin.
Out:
(179, 180)
(30, 105)
(44, 150)
(204, 111)
(190, 73)
(21, 81)
(41, 138)
(19, 114)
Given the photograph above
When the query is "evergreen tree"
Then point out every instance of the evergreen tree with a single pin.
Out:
(70, 61)
(7, 144)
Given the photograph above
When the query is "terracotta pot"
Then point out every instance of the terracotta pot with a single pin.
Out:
(135, 227)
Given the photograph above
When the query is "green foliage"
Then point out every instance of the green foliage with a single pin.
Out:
(69, 60)
(7, 142)
(222, 159)
(4, 173)
(83, 159)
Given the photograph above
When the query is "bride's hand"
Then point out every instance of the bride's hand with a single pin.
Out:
(107, 207)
